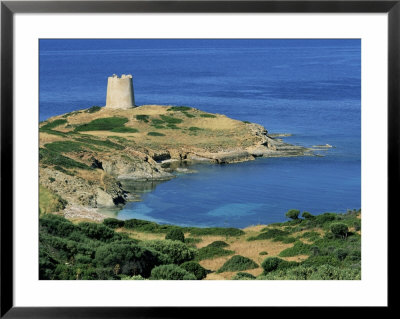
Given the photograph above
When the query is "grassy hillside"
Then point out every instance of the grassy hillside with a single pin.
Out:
(326, 246)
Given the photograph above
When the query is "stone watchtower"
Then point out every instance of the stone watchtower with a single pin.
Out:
(120, 92)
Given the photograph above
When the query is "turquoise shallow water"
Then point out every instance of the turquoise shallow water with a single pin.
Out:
(309, 88)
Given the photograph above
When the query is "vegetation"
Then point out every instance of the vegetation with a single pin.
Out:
(155, 134)
(175, 234)
(329, 249)
(194, 268)
(102, 124)
(243, 276)
(124, 129)
(218, 244)
(208, 115)
(113, 223)
(179, 108)
(93, 109)
(293, 214)
(49, 157)
(53, 124)
(171, 272)
(212, 252)
(143, 118)
(50, 202)
(237, 263)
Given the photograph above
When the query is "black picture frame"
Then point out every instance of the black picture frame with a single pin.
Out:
(9, 8)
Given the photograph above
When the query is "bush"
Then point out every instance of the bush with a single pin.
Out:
(194, 268)
(179, 108)
(102, 124)
(271, 264)
(299, 248)
(53, 158)
(339, 230)
(341, 254)
(325, 218)
(113, 223)
(218, 244)
(243, 276)
(132, 259)
(96, 231)
(175, 234)
(53, 124)
(56, 225)
(275, 234)
(236, 263)
(274, 263)
(216, 231)
(176, 251)
(93, 109)
(170, 119)
(170, 272)
(155, 134)
(307, 215)
(263, 253)
(293, 214)
(212, 252)
(124, 129)
(143, 118)
(208, 115)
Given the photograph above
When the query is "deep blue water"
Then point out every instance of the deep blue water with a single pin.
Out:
(310, 88)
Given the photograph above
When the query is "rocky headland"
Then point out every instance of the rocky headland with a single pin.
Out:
(88, 157)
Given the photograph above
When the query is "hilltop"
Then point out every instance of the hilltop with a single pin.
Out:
(86, 155)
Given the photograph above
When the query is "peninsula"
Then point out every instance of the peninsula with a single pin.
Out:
(87, 156)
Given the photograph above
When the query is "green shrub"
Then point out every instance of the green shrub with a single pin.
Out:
(53, 158)
(155, 134)
(263, 253)
(268, 233)
(243, 276)
(298, 248)
(218, 244)
(194, 128)
(311, 235)
(143, 118)
(137, 277)
(53, 124)
(339, 230)
(176, 251)
(216, 231)
(274, 263)
(237, 263)
(170, 272)
(191, 240)
(325, 218)
(93, 109)
(208, 115)
(341, 254)
(101, 143)
(212, 252)
(194, 268)
(293, 214)
(113, 223)
(175, 234)
(132, 259)
(102, 124)
(56, 225)
(124, 129)
(96, 231)
(170, 119)
(307, 215)
(179, 108)
(64, 146)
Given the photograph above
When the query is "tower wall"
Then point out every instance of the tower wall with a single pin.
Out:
(120, 92)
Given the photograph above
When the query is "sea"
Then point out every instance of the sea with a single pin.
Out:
(309, 88)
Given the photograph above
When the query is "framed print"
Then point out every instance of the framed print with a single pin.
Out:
(163, 155)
